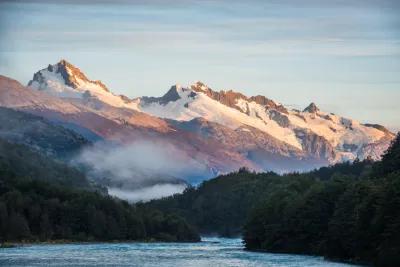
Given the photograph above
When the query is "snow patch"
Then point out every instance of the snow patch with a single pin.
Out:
(201, 106)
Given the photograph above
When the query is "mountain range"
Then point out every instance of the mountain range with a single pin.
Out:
(206, 131)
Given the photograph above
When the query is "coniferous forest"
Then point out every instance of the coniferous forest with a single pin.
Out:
(347, 216)
(45, 200)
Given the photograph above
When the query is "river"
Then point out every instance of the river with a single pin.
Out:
(213, 252)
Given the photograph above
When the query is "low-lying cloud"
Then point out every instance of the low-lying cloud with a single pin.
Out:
(147, 193)
(141, 170)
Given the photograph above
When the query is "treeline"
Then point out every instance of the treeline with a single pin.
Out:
(344, 215)
(222, 205)
(43, 200)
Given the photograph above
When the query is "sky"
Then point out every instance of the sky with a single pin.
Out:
(343, 55)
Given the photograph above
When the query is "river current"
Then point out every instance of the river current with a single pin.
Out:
(213, 252)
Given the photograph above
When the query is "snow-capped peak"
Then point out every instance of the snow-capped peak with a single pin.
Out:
(67, 81)
(69, 74)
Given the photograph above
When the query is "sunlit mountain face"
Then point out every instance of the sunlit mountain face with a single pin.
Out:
(192, 132)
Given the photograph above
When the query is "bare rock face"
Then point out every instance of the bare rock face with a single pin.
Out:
(280, 118)
(315, 145)
(312, 108)
(268, 103)
(69, 73)
(229, 98)
(171, 96)
(38, 77)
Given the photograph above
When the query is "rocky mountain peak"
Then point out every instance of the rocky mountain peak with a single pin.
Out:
(69, 72)
(170, 96)
(227, 98)
(65, 80)
(268, 103)
(199, 86)
(230, 98)
(312, 108)
(71, 75)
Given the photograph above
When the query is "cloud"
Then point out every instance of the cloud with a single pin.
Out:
(147, 193)
(213, 27)
(140, 164)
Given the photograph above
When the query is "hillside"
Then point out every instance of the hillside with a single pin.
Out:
(40, 134)
(44, 200)
(17, 160)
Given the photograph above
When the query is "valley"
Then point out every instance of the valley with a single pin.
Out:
(81, 164)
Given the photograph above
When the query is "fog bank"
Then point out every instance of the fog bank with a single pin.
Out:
(147, 193)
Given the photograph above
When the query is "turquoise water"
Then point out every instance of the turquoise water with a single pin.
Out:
(211, 252)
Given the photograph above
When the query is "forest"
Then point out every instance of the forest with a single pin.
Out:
(45, 200)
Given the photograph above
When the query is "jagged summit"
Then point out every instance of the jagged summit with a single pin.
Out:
(199, 86)
(228, 98)
(65, 80)
(170, 96)
(231, 97)
(75, 74)
(312, 108)
(69, 74)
